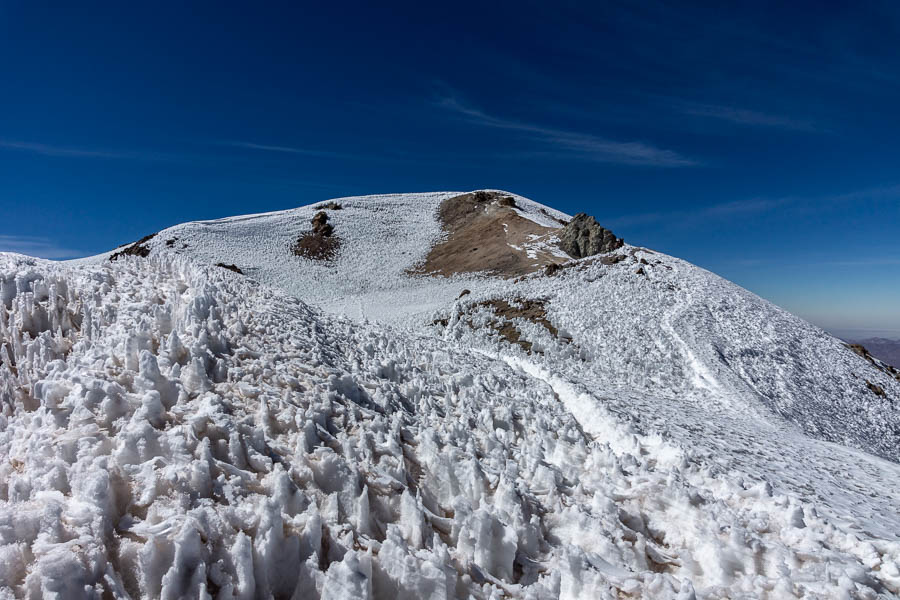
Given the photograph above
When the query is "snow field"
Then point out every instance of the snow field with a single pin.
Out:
(170, 430)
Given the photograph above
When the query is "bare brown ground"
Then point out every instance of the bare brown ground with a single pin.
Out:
(481, 229)
(316, 246)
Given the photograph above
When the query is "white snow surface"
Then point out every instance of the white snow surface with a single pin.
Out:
(171, 429)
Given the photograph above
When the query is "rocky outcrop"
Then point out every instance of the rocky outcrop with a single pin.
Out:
(583, 236)
(139, 248)
(321, 225)
(875, 362)
(320, 243)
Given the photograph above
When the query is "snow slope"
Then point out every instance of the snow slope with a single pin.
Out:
(172, 429)
(676, 330)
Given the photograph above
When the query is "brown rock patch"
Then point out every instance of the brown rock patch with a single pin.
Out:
(320, 243)
(880, 365)
(484, 233)
(875, 389)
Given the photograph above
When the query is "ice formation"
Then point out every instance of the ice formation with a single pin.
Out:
(173, 429)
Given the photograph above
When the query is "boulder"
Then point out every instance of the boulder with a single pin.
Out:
(321, 225)
(583, 236)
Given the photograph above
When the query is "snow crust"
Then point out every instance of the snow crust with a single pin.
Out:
(172, 429)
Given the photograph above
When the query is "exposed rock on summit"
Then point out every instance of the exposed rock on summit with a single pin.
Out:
(485, 232)
(583, 236)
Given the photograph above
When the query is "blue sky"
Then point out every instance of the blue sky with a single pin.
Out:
(759, 142)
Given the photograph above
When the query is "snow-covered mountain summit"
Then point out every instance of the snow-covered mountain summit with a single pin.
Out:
(428, 397)
(636, 321)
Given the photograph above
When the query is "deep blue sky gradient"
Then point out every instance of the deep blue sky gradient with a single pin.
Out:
(760, 142)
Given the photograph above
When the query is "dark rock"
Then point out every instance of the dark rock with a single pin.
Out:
(139, 248)
(878, 364)
(557, 219)
(321, 225)
(583, 236)
(508, 201)
(463, 293)
(551, 269)
(612, 260)
(330, 206)
(875, 389)
(234, 268)
(884, 349)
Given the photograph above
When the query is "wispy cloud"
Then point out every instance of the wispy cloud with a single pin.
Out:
(741, 207)
(873, 261)
(52, 150)
(724, 211)
(151, 155)
(281, 149)
(756, 206)
(205, 152)
(866, 261)
(638, 219)
(36, 246)
(742, 116)
(570, 144)
(886, 192)
(64, 151)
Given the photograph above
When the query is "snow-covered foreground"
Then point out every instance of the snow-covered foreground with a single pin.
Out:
(172, 429)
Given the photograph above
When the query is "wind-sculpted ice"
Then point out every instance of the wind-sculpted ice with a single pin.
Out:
(175, 431)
